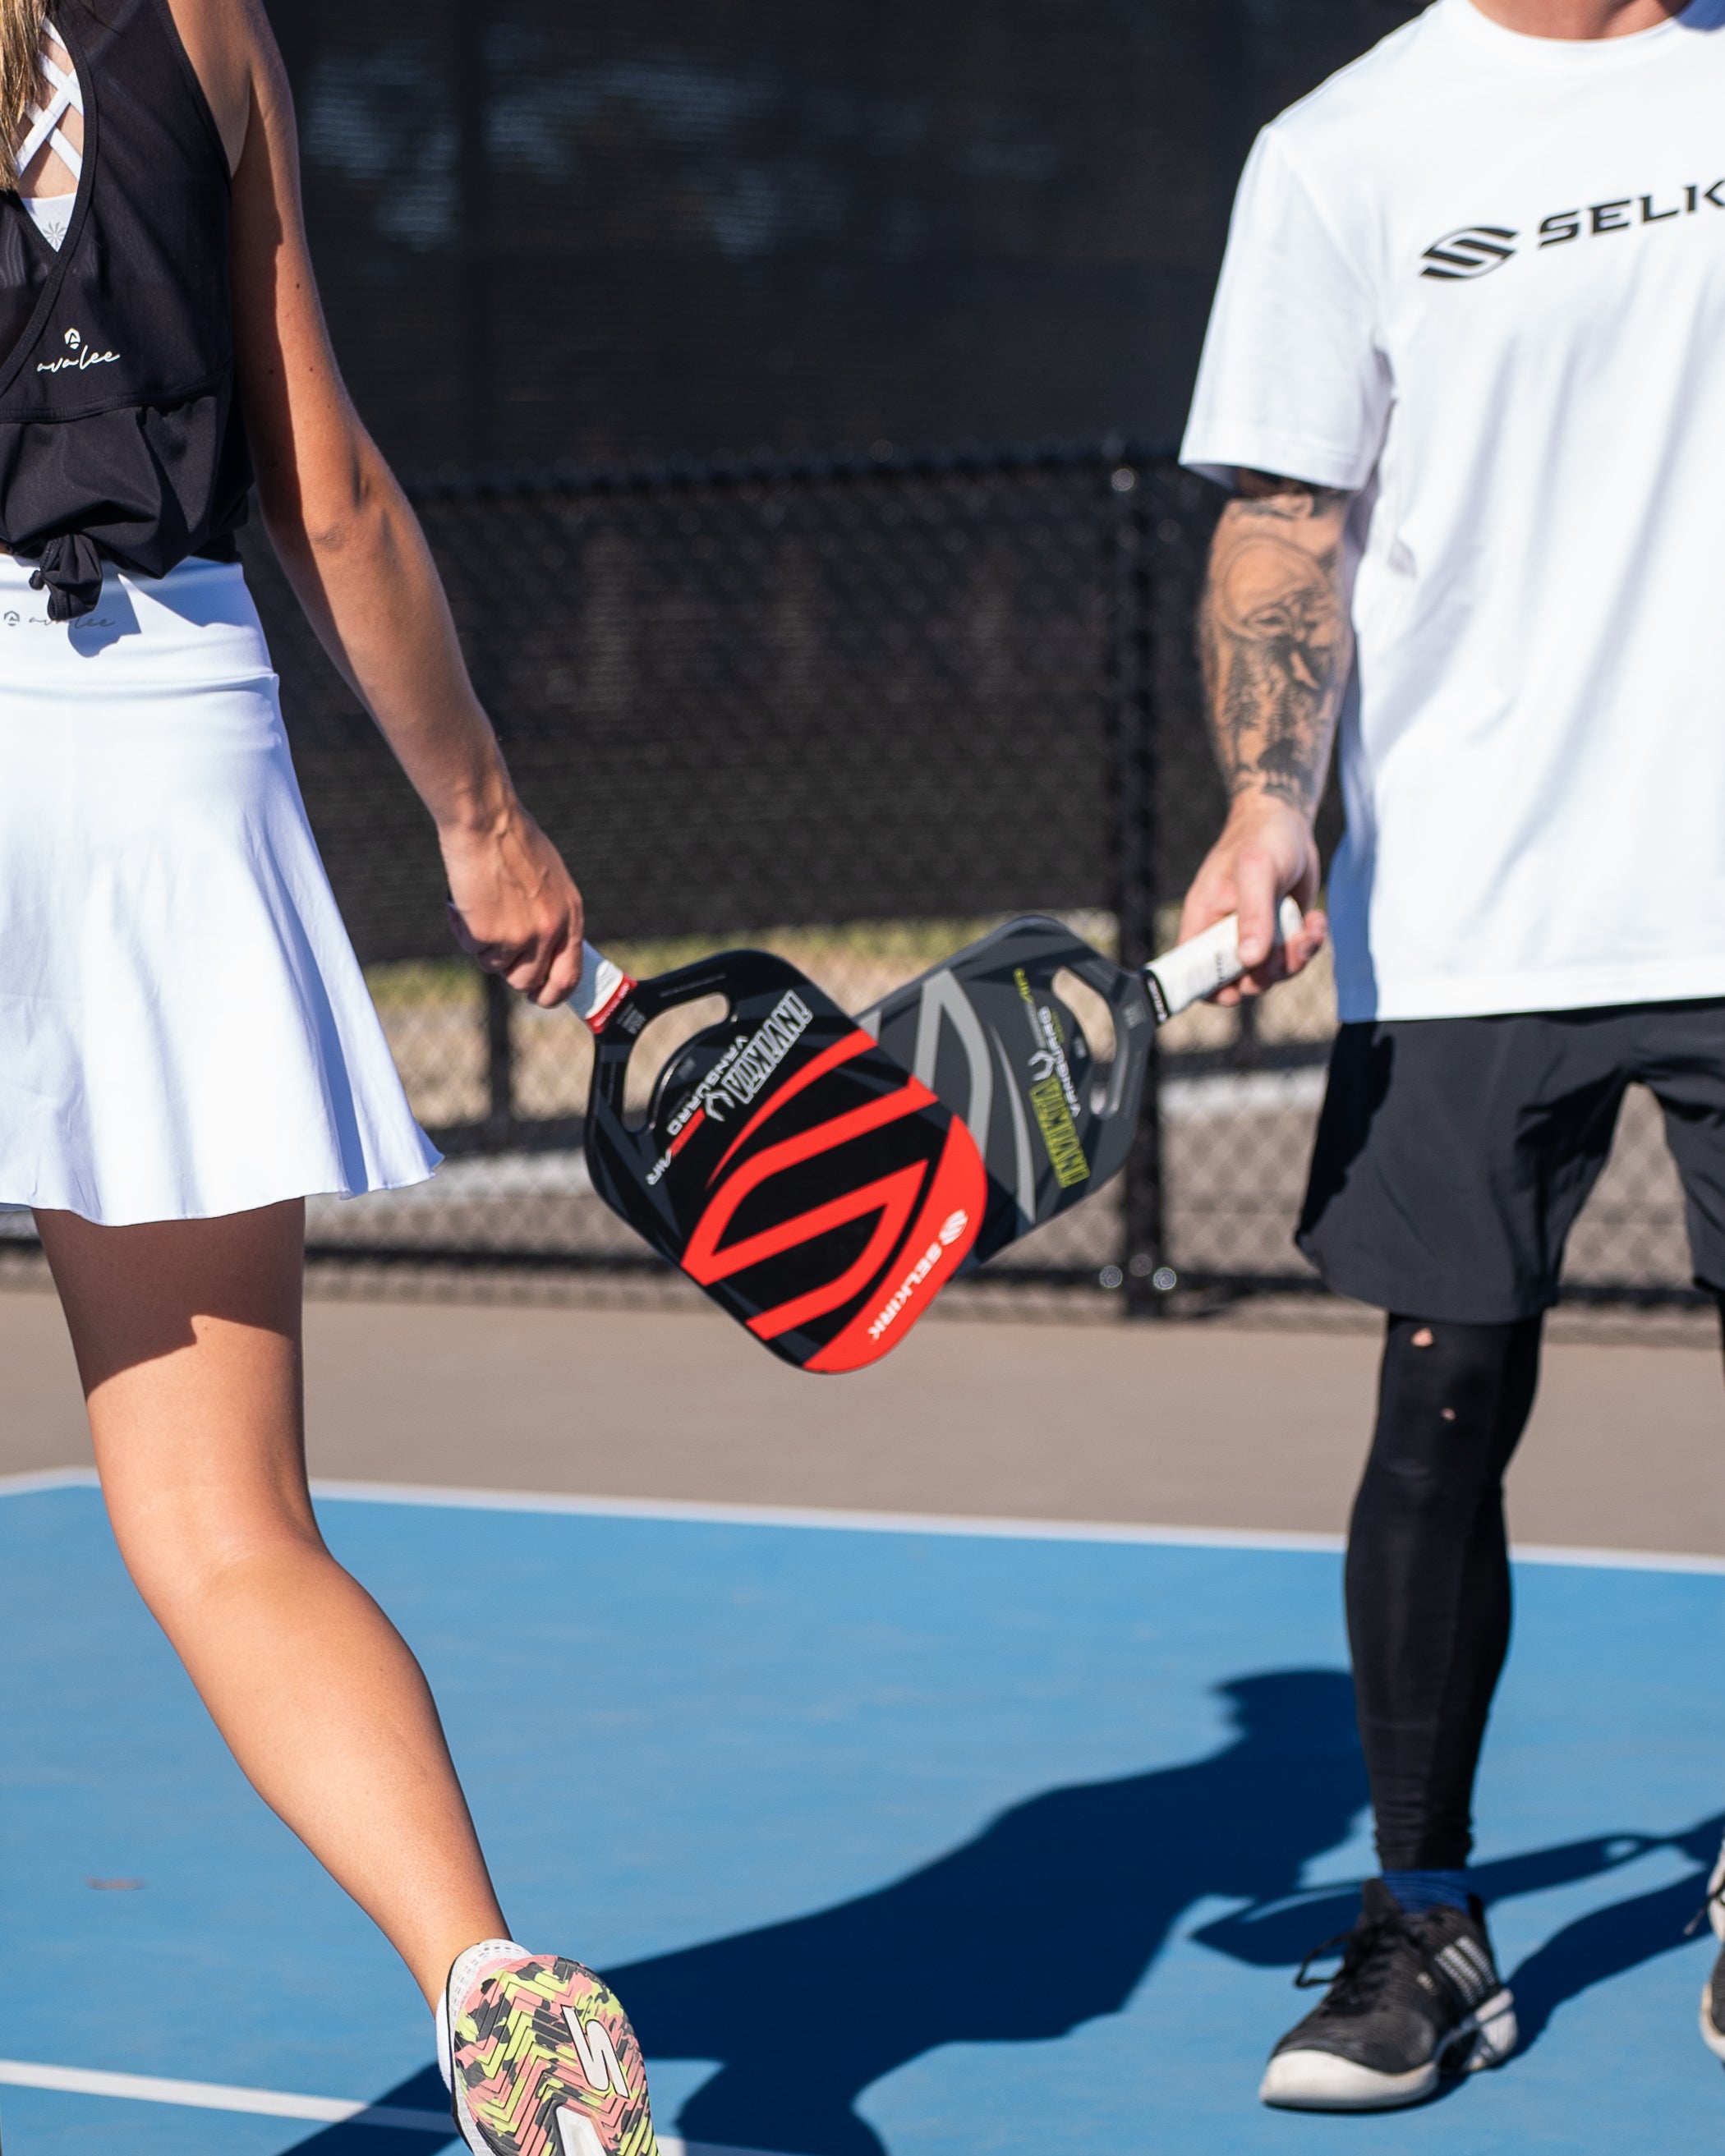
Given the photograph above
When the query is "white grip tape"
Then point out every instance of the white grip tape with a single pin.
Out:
(1195, 969)
(601, 984)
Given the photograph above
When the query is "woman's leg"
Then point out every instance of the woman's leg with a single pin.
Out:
(187, 1335)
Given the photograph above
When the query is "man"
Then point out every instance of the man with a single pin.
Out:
(1462, 375)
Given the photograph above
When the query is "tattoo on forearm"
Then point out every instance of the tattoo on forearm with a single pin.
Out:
(1275, 638)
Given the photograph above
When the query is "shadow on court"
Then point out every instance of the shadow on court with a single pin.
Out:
(1050, 1918)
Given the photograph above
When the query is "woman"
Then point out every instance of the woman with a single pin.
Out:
(187, 1050)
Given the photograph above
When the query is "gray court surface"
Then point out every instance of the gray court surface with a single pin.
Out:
(1198, 1425)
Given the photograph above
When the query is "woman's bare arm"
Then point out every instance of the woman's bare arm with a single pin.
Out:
(348, 540)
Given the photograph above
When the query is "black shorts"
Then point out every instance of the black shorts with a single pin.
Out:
(1453, 1154)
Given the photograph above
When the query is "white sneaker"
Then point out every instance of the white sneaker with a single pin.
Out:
(1712, 1997)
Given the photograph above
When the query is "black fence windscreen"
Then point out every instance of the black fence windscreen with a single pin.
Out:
(615, 233)
(803, 698)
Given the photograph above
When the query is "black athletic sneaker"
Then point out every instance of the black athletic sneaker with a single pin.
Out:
(1415, 1998)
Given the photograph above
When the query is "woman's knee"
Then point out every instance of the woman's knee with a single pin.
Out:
(183, 1547)
(188, 1339)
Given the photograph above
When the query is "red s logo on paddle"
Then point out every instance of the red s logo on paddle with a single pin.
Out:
(919, 1218)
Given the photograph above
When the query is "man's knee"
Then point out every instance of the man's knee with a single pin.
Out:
(1453, 1399)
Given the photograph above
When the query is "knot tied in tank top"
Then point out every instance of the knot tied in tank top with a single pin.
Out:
(71, 572)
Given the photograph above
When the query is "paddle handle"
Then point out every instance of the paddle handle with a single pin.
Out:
(1198, 967)
(604, 984)
(1177, 979)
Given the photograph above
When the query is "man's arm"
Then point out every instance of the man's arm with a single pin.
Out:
(1277, 647)
(1275, 638)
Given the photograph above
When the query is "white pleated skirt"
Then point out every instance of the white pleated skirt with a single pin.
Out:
(184, 1029)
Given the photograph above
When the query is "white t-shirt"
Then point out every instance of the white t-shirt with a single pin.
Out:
(1481, 276)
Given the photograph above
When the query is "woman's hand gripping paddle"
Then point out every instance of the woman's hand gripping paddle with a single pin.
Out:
(987, 1033)
(817, 1192)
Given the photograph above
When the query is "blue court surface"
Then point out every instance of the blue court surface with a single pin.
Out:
(919, 1840)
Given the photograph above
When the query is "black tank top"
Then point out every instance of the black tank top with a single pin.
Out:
(119, 434)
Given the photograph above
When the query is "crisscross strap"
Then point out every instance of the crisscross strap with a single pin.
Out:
(66, 94)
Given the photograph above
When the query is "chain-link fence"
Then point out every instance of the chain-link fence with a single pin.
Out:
(856, 712)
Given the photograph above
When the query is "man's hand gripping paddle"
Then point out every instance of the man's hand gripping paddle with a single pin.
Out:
(986, 1032)
(817, 1192)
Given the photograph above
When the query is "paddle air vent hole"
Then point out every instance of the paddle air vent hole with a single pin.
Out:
(1095, 1019)
(657, 1047)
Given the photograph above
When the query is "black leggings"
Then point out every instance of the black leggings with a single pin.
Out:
(1428, 1575)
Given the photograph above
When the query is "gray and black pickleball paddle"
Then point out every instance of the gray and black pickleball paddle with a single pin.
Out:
(987, 1032)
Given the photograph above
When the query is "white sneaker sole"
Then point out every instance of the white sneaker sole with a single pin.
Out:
(460, 1978)
(1712, 2037)
(1318, 2081)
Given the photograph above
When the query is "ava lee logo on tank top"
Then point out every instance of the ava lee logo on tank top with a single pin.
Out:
(77, 356)
(1477, 250)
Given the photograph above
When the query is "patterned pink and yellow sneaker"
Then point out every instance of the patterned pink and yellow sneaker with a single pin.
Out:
(540, 2058)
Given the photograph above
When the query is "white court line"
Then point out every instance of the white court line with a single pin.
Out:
(825, 1519)
(268, 2103)
(1614, 1560)
(833, 1519)
(49, 1478)
(218, 2095)
(982, 1527)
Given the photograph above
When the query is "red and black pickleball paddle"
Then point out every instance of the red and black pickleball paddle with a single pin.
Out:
(818, 1191)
